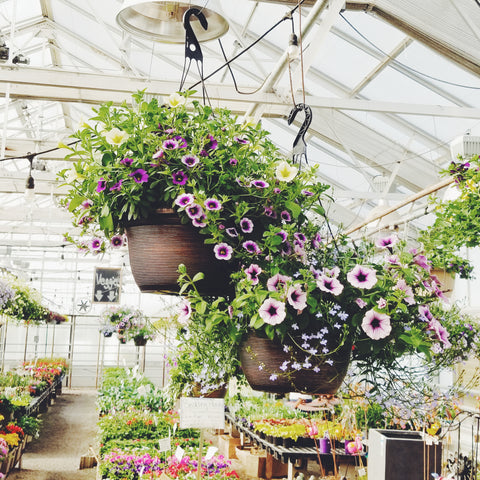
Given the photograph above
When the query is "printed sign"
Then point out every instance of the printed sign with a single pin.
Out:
(202, 412)
(107, 283)
(164, 444)
(179, 453)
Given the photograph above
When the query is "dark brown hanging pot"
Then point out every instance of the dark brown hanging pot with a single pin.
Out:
(261, 359)
(158, 245)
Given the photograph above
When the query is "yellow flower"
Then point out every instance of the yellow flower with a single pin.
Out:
(176, 100)
(470, 184)
(12, 439)
(285, 172)
(115, 136)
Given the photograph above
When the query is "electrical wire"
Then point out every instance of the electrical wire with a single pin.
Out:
(27, 156)
(411, 69)
(259, 39)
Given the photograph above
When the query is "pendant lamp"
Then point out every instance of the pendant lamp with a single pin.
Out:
(163, 21)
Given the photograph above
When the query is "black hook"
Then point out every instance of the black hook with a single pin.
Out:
(192, 46)
(299, 145)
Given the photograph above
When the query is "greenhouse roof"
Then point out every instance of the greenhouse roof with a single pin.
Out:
(391, 85)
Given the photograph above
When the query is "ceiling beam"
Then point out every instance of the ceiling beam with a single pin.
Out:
(57, 85)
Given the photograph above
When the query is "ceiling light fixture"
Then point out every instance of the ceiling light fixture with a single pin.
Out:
(163, 21)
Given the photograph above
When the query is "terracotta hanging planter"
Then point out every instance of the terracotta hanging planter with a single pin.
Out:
(158, 245)
(261, 359)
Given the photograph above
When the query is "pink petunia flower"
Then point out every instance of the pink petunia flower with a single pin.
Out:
(376, 325)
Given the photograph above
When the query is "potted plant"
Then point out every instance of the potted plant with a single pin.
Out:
(128, 323)
(310, 300)
(456, 223)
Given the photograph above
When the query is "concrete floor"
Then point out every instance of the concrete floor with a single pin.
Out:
(68, 429)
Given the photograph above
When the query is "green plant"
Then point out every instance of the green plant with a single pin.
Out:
(30, 425)
(456, 223)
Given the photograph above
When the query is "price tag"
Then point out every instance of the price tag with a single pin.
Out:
(179, 453)
(362, 472)
(210, 453)
(164, 445)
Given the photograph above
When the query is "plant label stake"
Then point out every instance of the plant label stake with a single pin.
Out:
(192, 47)
(299, 149)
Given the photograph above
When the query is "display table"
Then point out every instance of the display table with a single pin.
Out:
(291, 455)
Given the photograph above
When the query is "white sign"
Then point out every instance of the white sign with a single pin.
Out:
(211, 451)
(202, 412)
(164, 444)
(179, 453)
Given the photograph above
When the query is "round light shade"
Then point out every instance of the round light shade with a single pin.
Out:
(163, 21)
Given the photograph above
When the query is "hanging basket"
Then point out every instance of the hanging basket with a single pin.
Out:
(140, 341)
(446, 279)
(158, 245)
(261, 359)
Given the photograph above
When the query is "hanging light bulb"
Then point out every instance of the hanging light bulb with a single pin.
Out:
(30, 184)
(293, 48)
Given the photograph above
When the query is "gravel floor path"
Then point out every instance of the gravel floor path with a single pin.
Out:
(69, 428)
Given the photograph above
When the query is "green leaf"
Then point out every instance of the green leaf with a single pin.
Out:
(198, 276)
(256, 322)
(294, 208)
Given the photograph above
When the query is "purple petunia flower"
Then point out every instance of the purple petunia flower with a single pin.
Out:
(270, 212)
(421, 261)
(251, 247)
(170, 144)
(300, 237)
(387, 242)
(283, 235)
(190, 160)
(296, 297)
(260, 184)
(223, 251)
(272, 311)
(194, 210)
(158, 154)
(185, 311)
(182, 143)
(212, 144)
(95, 244)
(179, 178)
(116, 241)
(286, 248)
(330, 285)
(252, 272)
(102, 185)
(277, 190)
(232, 232)
(233, 161)
(317, 240)
(241, 140)
(87, 204)
(362, 277)
(184, 199)
(139, 175)
(285, 216)
(246, 225)
(126, 161)
(212, 204)
(278, 282)
(118, 186)
(307, 193)
(376, 325)
(200, 221)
